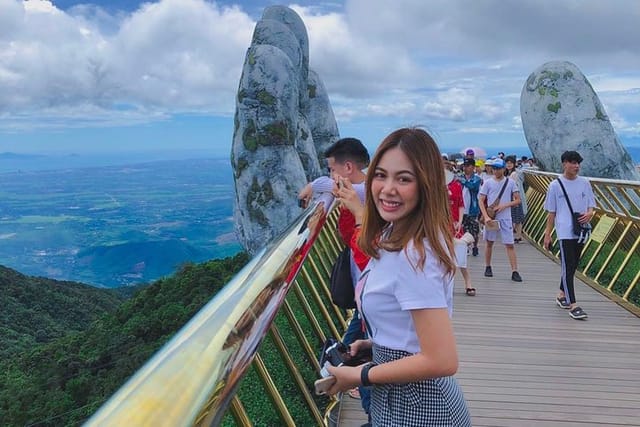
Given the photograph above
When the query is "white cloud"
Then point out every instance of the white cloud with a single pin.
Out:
(172, 56)
(455, 63)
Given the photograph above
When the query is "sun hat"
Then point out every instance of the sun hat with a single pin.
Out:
(498, 163)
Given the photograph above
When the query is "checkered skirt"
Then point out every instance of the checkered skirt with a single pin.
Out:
(517, 214)
(434, 402)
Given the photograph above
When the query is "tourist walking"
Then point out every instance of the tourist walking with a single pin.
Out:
(569, 198)
(456, 207)
(499, 193)
(517, 211)
(471, 183)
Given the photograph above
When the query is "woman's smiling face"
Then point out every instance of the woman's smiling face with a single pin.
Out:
(394, 186)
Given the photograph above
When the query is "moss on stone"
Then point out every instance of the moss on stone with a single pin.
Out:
(265, 98)
(254, 205)
(553, 92)
(267, 193)
(250, 137)
(251, 59)
(554, 107)
(277, 133)
(600, 115)
(312, 91)
(241, 166)
(241, 95)
(553, 75)
(568, 75)
(530, 82)
(542, 90)
(236, 122)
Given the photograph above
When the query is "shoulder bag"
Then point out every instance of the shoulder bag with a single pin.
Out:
(578, 228)
(341, 282)
(491, 208)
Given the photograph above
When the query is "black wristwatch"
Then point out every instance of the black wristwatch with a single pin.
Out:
(364, 374)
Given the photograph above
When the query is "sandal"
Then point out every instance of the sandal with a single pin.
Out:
(471, 292)
(354, 393)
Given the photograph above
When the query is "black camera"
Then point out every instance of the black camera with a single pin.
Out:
(336, 353)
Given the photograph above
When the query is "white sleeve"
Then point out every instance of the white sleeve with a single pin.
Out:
(550, 199)
(426, 288)
(322, 184)
(360, 190)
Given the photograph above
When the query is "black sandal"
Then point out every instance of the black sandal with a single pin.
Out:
(471, 292)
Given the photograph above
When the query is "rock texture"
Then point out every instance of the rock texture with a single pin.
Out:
(283, 124)
(561, 111)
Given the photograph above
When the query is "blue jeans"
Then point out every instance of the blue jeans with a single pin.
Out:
(354, 329)
(355, 332)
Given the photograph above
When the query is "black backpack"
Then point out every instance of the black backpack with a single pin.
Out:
(341, 283)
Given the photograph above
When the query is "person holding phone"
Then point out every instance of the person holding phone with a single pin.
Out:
(405, 292)
(347, 159)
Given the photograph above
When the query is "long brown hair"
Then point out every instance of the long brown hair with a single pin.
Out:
(429, 220)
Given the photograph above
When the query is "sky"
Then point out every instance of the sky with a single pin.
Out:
(122, 76)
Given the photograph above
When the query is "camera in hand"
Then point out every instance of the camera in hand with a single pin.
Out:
(336, 353)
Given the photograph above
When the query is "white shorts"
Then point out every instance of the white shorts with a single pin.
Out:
(461, 253)
(505, 232)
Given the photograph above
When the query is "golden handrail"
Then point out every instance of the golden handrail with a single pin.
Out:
(193, 379)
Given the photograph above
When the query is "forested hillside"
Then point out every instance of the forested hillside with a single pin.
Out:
(64, 381)
(35, 310)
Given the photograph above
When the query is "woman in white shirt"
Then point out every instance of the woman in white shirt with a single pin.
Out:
(405, 292)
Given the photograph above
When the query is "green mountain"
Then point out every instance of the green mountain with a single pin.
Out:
(62, 382)
(36, 310)
(135, 261)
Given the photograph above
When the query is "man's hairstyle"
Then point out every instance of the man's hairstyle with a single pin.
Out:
(429, 220)
(469, 162)
(349, 149)
(571, 156)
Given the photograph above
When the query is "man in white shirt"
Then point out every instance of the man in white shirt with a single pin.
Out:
(582, 200)
(500, 193)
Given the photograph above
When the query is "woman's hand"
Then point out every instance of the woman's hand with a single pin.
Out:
(347, 377)
(359, 345)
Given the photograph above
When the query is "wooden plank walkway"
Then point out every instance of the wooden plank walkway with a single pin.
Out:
(525, 362)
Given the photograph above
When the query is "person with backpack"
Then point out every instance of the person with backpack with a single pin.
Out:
(347, 160)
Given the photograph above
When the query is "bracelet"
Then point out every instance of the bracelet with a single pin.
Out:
(364, 374)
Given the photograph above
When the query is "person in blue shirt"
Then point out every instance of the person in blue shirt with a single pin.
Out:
(470, 188)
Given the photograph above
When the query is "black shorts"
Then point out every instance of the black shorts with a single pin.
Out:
(470, 225)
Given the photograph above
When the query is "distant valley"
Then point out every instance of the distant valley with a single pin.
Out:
(116, 225)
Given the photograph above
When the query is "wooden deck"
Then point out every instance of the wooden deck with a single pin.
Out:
(525, 362)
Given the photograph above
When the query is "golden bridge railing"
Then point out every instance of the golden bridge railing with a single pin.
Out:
(250, 356)
(611, 258)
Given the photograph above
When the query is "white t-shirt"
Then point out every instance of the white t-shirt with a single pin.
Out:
(392, 287)
(581, 198)
(324, 184)
(491, 189)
